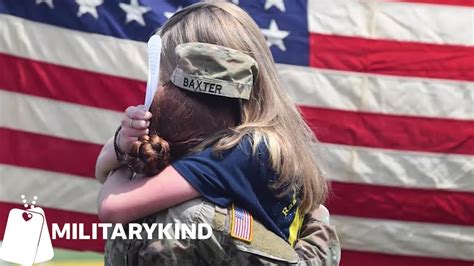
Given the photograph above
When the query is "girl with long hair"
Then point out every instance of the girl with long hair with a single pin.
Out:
(254, 152)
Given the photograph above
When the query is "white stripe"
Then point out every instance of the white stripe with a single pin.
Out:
(313, 87)
(54, 190)
(397, 168)
(342, 163)
(405, 238)
(55, 118)
(94, 52)
(392, 20)
(378, 94)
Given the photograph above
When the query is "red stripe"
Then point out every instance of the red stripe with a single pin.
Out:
(390, 131)
(392, 57)
(468, 3)
(48, 153)
(61, 217)
(69, 84)
(359, 258)
(405, 204)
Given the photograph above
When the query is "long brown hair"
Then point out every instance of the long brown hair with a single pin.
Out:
(269, 115)
(181, 121)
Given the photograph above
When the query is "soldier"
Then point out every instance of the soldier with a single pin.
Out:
(223, 133)
(317, 244)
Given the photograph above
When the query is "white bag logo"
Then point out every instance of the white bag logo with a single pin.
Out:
(26, 239)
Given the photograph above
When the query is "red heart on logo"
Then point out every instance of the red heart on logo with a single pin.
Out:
(27, 216)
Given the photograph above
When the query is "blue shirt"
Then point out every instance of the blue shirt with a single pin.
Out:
(242, 177)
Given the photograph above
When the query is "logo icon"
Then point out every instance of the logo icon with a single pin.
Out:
(26, 240)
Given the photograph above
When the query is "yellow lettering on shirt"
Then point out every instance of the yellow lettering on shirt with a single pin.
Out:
(295, 227)
(290, 206)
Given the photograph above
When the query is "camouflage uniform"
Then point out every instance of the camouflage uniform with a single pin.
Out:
(317, 245)
(220, 71)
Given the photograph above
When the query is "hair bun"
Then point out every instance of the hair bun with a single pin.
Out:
(149, 155)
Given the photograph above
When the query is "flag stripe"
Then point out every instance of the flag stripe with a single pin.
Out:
(48, 153)
(397, 168)
(391, 57)
(61, 217)
(392, 20)
(33, 114)
(131, 62)
(58, 190)
(390, 131)
(394, 203)
(405, 238)
(353, 91)
(82, 87)
(358, 258)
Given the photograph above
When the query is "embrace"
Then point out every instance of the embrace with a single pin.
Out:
(232, 152)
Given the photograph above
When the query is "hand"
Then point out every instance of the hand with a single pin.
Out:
(135, 124)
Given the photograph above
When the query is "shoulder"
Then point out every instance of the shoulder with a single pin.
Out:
(247, 147)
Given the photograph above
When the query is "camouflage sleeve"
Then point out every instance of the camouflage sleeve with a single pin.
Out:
(318, 242)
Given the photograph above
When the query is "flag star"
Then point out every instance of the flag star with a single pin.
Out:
(88, 6)
(170, 14)
(134, 12)
(275, 36)
(48, 2)
(278, 3)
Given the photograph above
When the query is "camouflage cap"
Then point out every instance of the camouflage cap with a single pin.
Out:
(213, 69)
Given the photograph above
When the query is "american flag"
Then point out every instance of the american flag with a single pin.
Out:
(241, 224)
(387, 87)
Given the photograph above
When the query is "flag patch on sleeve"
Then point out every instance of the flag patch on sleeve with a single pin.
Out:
(241, 224)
